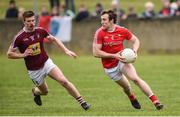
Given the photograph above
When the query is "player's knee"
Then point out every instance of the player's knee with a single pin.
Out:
(137, 80)
(64, 83)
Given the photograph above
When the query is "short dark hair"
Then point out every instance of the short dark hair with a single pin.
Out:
(112, 15)
(27, 14)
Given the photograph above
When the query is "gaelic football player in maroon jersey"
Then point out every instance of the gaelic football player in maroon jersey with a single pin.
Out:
(107, 45)
(28, 44)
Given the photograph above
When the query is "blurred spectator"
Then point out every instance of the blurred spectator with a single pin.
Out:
(69, 13)
(70, 6)
(65, 12)
(149, 11)
(20, 14)
(62, 10)
(55, 11)
(44, 20)
(44, 11)
(131, 13)
(173, 8)
(54, 3)
(98, 10)
(166, 10)
(116, 8)
(178, 9)
(12, 11)
(82, 14)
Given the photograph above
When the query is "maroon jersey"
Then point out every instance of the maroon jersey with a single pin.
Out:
(112, 42)
(32, 40)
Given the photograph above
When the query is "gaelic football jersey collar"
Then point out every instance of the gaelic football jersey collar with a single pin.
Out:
(113, 29)
(24, 28)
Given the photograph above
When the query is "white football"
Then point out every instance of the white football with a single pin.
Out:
(129, 55)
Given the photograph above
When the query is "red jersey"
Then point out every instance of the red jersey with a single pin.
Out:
(112, 42)
(32, 40)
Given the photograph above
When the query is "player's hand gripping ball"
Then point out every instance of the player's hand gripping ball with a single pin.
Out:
(129, 55)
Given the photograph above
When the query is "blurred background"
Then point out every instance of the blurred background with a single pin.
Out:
(155, 22)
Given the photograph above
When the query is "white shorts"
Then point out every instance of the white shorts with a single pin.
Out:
(38, 76)
(115, 73)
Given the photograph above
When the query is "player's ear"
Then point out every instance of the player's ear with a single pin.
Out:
(23, 22)
(112, 20)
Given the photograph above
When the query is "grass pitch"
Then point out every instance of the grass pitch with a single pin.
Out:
(161, 72)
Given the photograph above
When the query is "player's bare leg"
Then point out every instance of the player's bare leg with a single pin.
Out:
(40, 90)
(57, 75)
(130, 72)
(124, 83)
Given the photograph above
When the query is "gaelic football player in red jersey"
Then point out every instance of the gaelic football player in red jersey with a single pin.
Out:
(28, 44)
(107, 45)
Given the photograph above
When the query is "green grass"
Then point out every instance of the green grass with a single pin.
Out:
(28, 4)
(106, 98)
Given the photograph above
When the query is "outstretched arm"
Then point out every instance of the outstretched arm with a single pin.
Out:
(136, 43)
(60, 45)
(13, 53)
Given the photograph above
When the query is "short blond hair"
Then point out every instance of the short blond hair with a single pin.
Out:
(149, 4)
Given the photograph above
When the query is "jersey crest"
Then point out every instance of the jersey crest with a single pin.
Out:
(35, 48)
